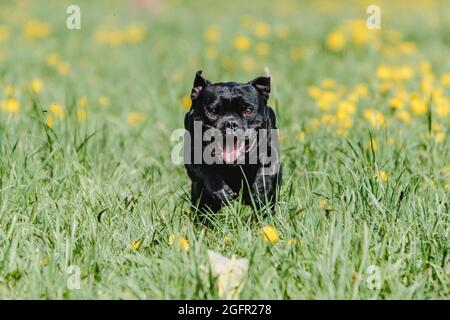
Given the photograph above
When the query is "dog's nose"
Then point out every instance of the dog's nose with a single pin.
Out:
(231, 125)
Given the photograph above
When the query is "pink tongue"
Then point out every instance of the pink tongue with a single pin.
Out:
(230, 156)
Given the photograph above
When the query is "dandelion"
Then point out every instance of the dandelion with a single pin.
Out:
(4, 33)
(323, 204)
(418, 107)
(261, 29)
(135, 245)
(396, 103)
(301, 136)
(9, 90)
(291, 242)
(104, 102)
(50, 121)
(447, 186)
(445, 79)
(81, 115)
(37, 85)
(211, 34)
(371, 144)
(375, 118)
(11, 105)
(282, 31)
(134, 33)
(186, 102)
(439, 137)
(135, 118)
(328, 83)
(63, 68)
(314, 91)
(181, 242)
(335, 40)
(262, 49)
(53, 59)
(404, 116)
(269, 234)
(242, 43)
(57, 110)
(296, 54)
(35, 29)
(381, 176)
(83, 101)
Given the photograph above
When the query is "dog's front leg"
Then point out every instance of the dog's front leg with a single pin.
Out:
(209, 190)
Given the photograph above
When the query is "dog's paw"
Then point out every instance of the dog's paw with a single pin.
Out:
(224, 194)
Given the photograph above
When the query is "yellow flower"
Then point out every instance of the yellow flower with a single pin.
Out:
(371, 144)
(440, 137)
(9, 91)
(104, 101)
(381, 176)
(282, 31)
(135, 245)
(291, 242)
(418, 107)
(270, 234)
(11, 105)
(328, 83)
(50, 121)
(261, 29)
(135, 118)
(262, 49)
(323, 204)
(83, 101)
(301, 136)
(335, 40)
(211, 34)
(57, 110)
(384, 72)
(81, 115)
(181, 242)
(186, 102)
(375, 118)
(296, 54)
(447, 186)
(37, 85)
(134, 33)
(63, 68)
(4, 33)
(53, 59)
(242, 43)
(314, 91)
(211, 53)
(404, 116)
(396, 103)
(35, 29)
(445, 79)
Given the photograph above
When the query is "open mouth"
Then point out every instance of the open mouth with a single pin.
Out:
(233, 149)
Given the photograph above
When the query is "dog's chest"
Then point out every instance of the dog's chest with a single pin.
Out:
(237, 177)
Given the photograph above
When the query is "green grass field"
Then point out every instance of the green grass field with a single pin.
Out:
(86, 177)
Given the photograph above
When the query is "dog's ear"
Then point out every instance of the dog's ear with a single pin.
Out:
(262, 84)
(199, 84)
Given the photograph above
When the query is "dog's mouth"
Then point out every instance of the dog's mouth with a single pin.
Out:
(232, 150)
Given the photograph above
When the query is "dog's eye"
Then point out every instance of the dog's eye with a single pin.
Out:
(211, 111)
(248, 111)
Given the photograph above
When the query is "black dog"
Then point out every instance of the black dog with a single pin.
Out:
(235, 113)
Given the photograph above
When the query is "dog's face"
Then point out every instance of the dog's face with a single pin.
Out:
(233, 109)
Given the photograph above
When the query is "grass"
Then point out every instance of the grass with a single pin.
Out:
(81, 187)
